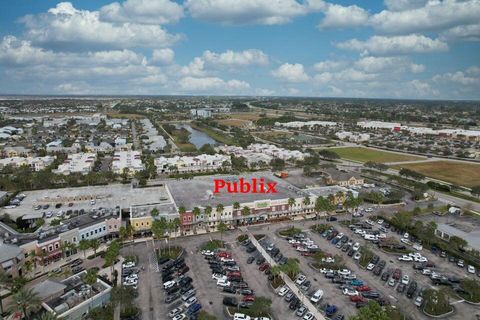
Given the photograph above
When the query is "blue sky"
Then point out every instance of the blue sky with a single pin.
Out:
(415, 49)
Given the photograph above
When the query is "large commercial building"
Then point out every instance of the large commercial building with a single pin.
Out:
(200, 163)
(309, 124)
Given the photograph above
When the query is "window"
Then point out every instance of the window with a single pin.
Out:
(57, 245)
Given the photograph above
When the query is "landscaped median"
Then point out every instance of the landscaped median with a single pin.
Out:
(437, 304)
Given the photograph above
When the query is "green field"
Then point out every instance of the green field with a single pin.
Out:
(364, 155)
(459, 173)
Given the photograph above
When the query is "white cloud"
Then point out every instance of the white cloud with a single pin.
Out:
(194, 68)
(395, 45)
(291, 73)
(235, 59)
(462, 33)
(436, 15)
(324, 77)
(163, 56)
(142, 12)
(212, 84)
(329, 65)
(68, 28)
(467, 78)
(401, 5)
(389, 64)
(250, 11)
(337, 16)
(422, 89)
(264, 92)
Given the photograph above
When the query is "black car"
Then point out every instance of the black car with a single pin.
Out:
(370, 294)
(229, 289)
(184, 281)
(251, 249)
(250, 260)
(385, 276)
(163, 260)
(186, 288)
(350, 252)
(360, 304)
(183, 270)
(246, 242)
(453, 279)
(377, 270)
(172, 298)
(230, 301)
(401, 287)
(346, 248)
(294, 304)
(411, 289)
(246, 292)
(382, 263)
(375, 259)
(260, 261)
(283, 261)
(240, 285)
(167, 278)
(339, 280)
(172, 290)
(418, 266)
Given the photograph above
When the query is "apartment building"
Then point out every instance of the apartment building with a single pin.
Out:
(35, 163)
(131, 161)
(12, 259)
(77, 163)
(200, 163)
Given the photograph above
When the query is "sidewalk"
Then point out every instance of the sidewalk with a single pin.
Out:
(288, 281)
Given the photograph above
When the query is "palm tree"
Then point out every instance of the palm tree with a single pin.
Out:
(245, 211)
(84, 245)
(154, 212)
(207, 211)
(196, 213)
(291, 202)
(236, 205)
(91, 277)
(122, 296)
(25, 300)
(222, 227)
(182, 210)
(48, 316)
(94, 244)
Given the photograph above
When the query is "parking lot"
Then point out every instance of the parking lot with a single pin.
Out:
(151, 295)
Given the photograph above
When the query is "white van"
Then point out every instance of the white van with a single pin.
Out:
(317, 296)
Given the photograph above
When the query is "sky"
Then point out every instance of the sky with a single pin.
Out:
(407, 49)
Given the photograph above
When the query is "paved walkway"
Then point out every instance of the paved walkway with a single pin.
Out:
(288, 281)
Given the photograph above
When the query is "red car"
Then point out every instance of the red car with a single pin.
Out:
(356, 299)
(307, 254)
(248, 298)
(363, 288)
(234, 274)
(264, 266)
(397, 273)
(224, 254)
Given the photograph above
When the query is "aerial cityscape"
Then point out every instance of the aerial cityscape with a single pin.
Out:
(240, 160)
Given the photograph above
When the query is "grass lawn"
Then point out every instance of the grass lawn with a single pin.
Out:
(233, 122)
(364, 155)
(215, 135)
(186, 147)
(460, 173)
(213, 245)
(252, 116)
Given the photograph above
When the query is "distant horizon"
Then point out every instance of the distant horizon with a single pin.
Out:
(224, 96)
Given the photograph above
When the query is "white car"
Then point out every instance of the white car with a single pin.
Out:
(369, 221)
(405, 279)
(179, 317)
(241, 316)
(380, 221)
(308, 316)
(49, 214)
(471, 269)
(169, 284)
(283, 291)
(356, 246)
(293, 241)
(350, 292)
(369, 210)
(426, 272)
(405, 258)
(129, 264)
(344, 272)
(302, 249)
(325, 270)
(218, 276)
(418, 301)
(223, 283)
(370, 266)
(328, 260)
(420, 259)
(370, 237)
(406, 241)
(391, 282)
(175, 312)
(190, 301)
(312, 246)
(207, 253)
(357, 256)
(261, 318)
(130, 282)
(300, 279)
(406, 235)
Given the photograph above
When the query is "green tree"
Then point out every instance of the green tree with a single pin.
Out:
(306, 201)
(236, 205)
(91, 276)
(372, 311)
(196, 212)
(260, 307)
(84, 245)
(476, 191)
(5, 281)
(245, 211)
(291, 202)
(458, 242)
(123, 297)
(159, 227)
(220, 209)
(154, 212)
(182, 210)
(94, 244)
(222, 227)
(377, 197)
(25, 301)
